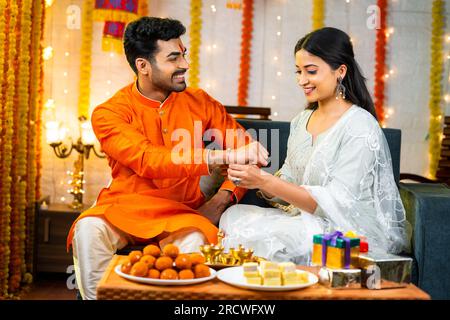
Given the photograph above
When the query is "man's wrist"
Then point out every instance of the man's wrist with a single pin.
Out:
(217, 157)
(226, 196)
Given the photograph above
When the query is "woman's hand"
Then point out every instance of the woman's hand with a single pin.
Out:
(248, 176)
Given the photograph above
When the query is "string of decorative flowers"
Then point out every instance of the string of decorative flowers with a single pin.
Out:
(195, 42)
(21, 25)
(436, 70)
(318, 14)
(18, 237)
(246, 42)
(3, 222)
(85, 59)
(380, 62)
(39, 103)
(35, 104)
(7, 142)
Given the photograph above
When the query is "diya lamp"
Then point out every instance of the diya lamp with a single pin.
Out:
(241, 254)
(214, 253)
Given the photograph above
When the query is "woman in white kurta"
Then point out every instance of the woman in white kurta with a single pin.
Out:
(338, 172)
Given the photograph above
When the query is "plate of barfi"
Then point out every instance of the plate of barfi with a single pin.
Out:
(267, 276)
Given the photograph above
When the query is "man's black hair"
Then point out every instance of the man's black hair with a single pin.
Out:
(141, 35)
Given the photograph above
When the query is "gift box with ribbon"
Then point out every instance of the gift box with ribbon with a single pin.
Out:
(335, 251)
(363, 243)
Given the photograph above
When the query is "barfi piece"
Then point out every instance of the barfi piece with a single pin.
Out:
(272, 281)
(271, 273)
(265, 265)
(289, 275)
(250, 267)
(254, 280)
(291, 282)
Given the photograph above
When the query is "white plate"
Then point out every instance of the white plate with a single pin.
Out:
(235, 277)
(161, 282)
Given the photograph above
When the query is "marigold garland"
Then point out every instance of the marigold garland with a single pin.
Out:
(380, 64)
(7, 141)
(19, 24)
(246, 42)
(18, 267)
(85, 60)
(318, 14)
(2, 53)
(195, 42)
(14, 275)
(436, 70)
(3, 222)
(31, 170)
(40, 104)
(35, 104)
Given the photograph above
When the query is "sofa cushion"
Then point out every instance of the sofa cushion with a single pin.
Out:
(394, 140)
(274, 136)
(427, 206)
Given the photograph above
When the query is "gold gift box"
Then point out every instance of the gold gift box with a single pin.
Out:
(384, 270)
(340, 278)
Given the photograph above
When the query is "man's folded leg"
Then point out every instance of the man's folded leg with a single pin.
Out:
(95, 241)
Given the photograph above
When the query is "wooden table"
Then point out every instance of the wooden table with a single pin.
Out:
(114, 287)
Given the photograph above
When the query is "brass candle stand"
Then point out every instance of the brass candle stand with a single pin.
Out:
(84, 149)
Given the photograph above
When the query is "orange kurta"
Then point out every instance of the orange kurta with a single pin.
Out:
(149, 193)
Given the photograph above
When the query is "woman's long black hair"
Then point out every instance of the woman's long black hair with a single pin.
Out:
(335, 48)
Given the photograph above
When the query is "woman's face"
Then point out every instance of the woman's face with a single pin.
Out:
(315, 76)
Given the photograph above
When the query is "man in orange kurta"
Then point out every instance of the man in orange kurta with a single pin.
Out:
(152, 132)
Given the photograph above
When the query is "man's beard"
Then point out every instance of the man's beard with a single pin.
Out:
(164, 84)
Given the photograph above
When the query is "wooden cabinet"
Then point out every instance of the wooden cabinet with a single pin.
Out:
(53, 224)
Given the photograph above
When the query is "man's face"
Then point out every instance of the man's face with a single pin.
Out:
(169, 66)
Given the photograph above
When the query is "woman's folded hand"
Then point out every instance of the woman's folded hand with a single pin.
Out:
(248, 176)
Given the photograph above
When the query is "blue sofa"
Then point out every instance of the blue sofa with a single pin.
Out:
(427, 209)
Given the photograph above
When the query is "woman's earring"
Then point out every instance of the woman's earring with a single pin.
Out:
(340, 89)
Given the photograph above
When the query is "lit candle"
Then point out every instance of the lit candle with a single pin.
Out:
(52, 132)
(62, 133)
(47, 53)
(87, 133)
